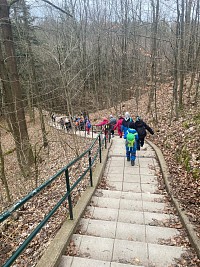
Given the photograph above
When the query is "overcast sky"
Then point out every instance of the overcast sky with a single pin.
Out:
(167, 7)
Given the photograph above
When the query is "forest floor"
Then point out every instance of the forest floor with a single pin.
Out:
(178, 140)
(60, 152)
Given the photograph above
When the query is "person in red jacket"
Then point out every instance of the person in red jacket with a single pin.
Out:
(118, 126)
(103, 122)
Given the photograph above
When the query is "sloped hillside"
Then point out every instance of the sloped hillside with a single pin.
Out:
(49, 161)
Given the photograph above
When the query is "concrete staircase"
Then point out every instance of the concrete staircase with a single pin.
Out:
(121, 226)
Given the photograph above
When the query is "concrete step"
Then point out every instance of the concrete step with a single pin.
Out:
(126, 231)
(128, 216)
(125, 251)
(68, 261)
(129, 195)
(125, 204)
(134, 187)
(131, 178)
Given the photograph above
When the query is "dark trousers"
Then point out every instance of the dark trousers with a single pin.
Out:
(140, 142)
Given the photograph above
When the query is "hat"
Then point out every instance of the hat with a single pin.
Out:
(111, 116)
(127, 115)
(138, 118)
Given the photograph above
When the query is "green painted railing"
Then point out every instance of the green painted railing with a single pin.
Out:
(101, 142)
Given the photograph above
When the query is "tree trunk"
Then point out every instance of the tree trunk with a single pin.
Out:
(2, 173)
(153, 93)
(175, 72)
(32, 67)
(197, 90)
(13, 94)
(182, 56)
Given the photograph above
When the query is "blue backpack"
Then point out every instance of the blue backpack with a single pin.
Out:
(89, 125)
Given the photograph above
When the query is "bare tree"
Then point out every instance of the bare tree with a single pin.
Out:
(33, 72)
(2, 173)
(182, 54)
(153, 95)
(13, 94)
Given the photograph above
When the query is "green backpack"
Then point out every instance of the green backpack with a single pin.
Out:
(130, 140)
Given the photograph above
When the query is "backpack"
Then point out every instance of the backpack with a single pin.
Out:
(130, 140)
(141, 131)
(89, 125)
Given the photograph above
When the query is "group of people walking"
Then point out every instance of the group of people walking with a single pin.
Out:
(79, 122)
(134, 133)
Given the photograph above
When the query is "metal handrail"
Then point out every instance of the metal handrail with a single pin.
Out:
(17, 205)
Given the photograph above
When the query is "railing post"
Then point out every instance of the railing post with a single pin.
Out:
(69, 194)
(105, 138)
(109, 136)
(100, 147)
(90, 164)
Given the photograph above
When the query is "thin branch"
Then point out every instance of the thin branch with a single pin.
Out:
(11, 2)
(4, 128)
(62, 10)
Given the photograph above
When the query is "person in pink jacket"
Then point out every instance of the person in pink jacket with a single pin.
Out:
(103, 122)
(118, 126)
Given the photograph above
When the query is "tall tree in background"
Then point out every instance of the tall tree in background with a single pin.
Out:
(153, 90)
(182, 53)
(176, 55)
(124, 44)
(32, 70)
(13, 94)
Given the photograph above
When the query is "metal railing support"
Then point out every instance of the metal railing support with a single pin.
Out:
(105, 138)
(69, 195)
(109, 136)
(100, 158)
(90, 165)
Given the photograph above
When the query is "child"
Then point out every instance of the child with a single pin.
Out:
(131, 137)
(112, 124)
(125, 123)
(118, 126)
(103, 122)
(141, 128)
(88, 126)
(62, 123)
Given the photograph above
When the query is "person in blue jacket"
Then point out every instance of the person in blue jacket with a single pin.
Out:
(125, 123)
(131, 137)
